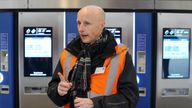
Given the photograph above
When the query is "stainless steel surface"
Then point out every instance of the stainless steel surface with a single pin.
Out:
(178, 20)
(125, 21)
(173, 4)
(13, 4)
(55, 20)
(108, 4)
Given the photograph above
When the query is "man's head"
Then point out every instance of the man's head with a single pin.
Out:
(90, 21)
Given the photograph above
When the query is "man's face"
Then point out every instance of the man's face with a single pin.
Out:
(90, 26)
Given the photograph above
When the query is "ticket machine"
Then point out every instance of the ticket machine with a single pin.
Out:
(40, 43)
(174, 76)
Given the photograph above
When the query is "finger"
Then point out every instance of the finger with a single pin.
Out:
(60, 88)
(65, 84)
(61, 93)
(63, 88)
(62, 78)
(70, 84)
(77, 104)
(77, 100)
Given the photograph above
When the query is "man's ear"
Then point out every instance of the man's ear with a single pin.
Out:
(103, 25)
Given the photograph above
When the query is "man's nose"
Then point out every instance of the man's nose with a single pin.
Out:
(81, 28)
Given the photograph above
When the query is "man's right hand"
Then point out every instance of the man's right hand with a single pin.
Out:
(63, 86)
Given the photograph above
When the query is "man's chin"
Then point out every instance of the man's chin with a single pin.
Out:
(85, 41)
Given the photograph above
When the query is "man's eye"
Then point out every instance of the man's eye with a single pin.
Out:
(87, 23)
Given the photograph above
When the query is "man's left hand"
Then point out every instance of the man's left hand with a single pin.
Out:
(83, 103)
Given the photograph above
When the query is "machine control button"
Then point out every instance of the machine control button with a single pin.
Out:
(4, 89)
(36, 90)
(142, 91)
(175, 92)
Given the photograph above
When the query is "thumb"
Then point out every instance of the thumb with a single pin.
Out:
(62, 78)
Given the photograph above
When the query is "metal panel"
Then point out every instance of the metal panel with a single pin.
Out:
(125, 21)
(111, 4)
(51, 19)
(13, 4)
(177, 20)
(173, 4)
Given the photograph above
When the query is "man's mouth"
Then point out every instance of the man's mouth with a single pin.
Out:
(84, 36)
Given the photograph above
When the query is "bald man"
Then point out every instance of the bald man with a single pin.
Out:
(90, 21)
(93, 70)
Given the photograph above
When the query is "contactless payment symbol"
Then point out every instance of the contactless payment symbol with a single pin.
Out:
(1, 77)
(138, 79)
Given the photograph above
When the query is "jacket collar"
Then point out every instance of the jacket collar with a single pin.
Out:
(103, 49)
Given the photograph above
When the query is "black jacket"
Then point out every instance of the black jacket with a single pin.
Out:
(127, 95)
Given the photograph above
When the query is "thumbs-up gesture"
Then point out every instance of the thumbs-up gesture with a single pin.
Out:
(63, 86)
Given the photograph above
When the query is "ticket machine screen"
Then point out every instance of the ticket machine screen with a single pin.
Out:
(176, 53)
(116, 31)
(37, 51)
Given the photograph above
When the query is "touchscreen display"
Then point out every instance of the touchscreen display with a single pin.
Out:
(116, 31)
(176, 52)
(37, 51)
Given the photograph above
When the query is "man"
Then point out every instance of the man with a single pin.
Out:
(93, 71)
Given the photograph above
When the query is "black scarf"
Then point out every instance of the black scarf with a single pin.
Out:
(82, 69)
(81, 75)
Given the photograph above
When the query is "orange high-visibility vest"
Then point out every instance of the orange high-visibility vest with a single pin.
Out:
(102, 84)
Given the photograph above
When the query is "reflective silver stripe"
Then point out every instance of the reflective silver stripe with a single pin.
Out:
(112, 74)
(92, 94)
(121, 45)
(67, 63)
(111, 77)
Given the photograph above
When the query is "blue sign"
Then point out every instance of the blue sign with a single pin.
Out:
(7, 73)
(143, 33)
